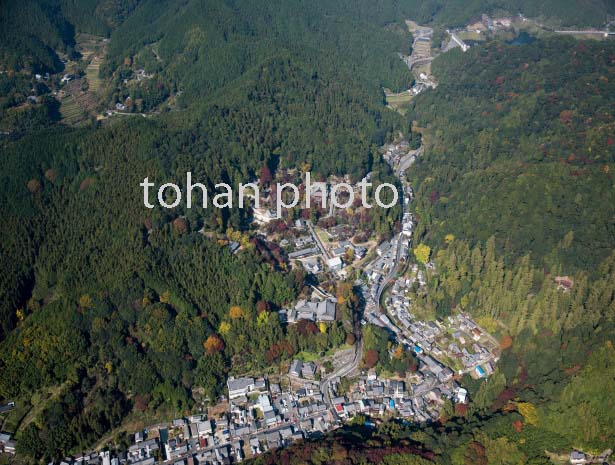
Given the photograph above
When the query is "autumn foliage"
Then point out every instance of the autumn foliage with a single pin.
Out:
(461, 410)
(235, 312)
(371, 358)
(518, 425)
(180, 225)
(476, 454)
(213, 344)
(506, 342)
(34, 186)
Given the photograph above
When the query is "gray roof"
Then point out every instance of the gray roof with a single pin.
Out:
(303, 253)
(295, 367)
(239, 383)
(319, 311)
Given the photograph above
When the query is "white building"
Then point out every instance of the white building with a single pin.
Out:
(263, 215)
(239, 387)
(462, 396)
(334, 264)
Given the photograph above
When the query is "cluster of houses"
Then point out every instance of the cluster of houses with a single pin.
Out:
(299, 369)
(264, 416)
(420, 400)
(488, 24)
(393, 153)
(320, 194)
(378, 269)
(419, 87)
(192, 441)
(398, 299)
(260, 417)
(317, 257)
(476, 355)
(407, 224)
(458, 337)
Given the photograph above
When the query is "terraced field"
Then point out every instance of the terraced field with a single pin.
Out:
(71, 111)
(93, 50)
(399, 101)
(92, 74)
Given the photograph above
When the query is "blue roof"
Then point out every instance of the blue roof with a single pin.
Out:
(480, 371)
(391, 403)
(418, 349)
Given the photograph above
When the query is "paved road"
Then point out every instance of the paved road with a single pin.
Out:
(412, 62)
(406, 160)
(7, 407)
(587, 32)
(404, 164)
(325, 384)
(319, 243)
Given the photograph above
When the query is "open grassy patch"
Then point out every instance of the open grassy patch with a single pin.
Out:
(472, 36)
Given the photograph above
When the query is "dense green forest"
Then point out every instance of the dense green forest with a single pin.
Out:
(552, 389)
(514, 190)
(109, 309)
(107, 292)
(34, 32)
(514, 193)
(521, 147)
(565, 12)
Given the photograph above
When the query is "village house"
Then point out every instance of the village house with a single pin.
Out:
(322, 311)
(335, 264)
(295, 368)
(304, 253)
(578, 458)
(564, 283)
(239, 387)
(7, 445)
(263, 215)
(311, 265)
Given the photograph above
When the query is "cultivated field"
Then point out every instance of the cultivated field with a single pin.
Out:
(71, 111)
(398, 101)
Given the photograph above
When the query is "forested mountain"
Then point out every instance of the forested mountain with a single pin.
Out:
(109, 308)
(111, 311)
(521, 146)
(34, 32)
(514, 193)
(552, 390)
(565, 12)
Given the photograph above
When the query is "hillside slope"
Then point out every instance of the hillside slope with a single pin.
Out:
(520, 146)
